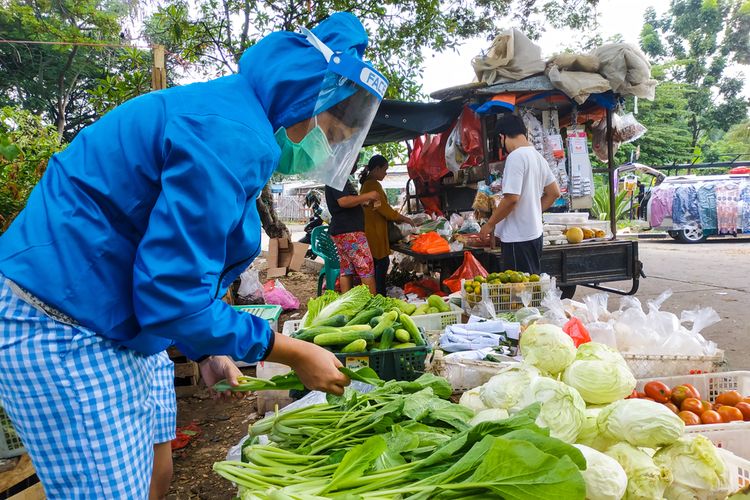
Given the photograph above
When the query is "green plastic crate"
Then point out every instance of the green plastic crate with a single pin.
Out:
(10, 443)
(391, 364)
(268, 312)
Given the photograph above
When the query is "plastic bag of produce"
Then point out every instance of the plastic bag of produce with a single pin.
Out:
(577, 331)
(250, 287)
(276, 293)
(469, 269)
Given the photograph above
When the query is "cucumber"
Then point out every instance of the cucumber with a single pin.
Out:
(404, 307)
(337, 320)
(438, 303)
(421, 309)
(410, 327)
(359, 345)
(364, 317)
(402, 335)
(308, 334)
(405, 345)
(374, 321)
(387, 320)
(433, 310)
(387, 338)
(342, 337)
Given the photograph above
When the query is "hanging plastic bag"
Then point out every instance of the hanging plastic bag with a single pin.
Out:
(275, 293)
(576, 331)
(471, 138)
(627, 129)
(469, 269)
(454, 153)
(599, 141)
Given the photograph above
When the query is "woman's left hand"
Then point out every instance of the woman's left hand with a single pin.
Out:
(215, 368)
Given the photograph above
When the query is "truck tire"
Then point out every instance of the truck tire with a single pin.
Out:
(673, 234)
(693, 234)
(568, 291)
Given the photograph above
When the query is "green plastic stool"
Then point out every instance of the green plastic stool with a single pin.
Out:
(322, 245)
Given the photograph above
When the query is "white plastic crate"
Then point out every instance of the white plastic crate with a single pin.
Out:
(658, 366)
(438, 321)
(291, 326)
(505, 297)
(710, 385)
(739, 467)
(10, 443)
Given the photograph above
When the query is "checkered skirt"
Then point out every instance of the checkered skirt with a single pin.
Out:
(87, 410)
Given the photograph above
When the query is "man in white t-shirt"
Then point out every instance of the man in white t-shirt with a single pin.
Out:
(529, 188)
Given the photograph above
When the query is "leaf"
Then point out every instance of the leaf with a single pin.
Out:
(365, 375)
(549, 445)
(355, 463)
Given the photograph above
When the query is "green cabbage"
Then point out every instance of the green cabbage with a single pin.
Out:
(600, 381)
(547, 347)
(641, 423)
(591, 435)
(348, 304)
(594, 351)
(489, 415)
(315, 304)
(697, 468)
(604, 476)
(505, 389)
(472, 400)
(563, 410)
(646, 480)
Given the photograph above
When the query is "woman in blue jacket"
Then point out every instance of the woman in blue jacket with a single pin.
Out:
(134, 233)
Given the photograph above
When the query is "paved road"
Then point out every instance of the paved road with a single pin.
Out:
(715, 273)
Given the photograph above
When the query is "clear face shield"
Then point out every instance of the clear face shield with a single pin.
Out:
(344, 110)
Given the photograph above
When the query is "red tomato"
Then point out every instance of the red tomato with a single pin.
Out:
(658, 391)
(672, 407)
(689, 418)
(692, 404)
(729, 398)
(706, 405)
(730, 414)
(648, 398)
(679, 394)
(710, 417)
(632, 395)
(745, 409)
(746, 400)
(696, 394)
(641, 394)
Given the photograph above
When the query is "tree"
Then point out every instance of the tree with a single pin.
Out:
(734, 145)
(53, 80)
(693, 44)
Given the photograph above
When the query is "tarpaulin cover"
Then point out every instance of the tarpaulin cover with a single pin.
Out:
(401, 120)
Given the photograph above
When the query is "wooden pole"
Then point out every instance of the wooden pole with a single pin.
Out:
(611, 174)
(159, 69)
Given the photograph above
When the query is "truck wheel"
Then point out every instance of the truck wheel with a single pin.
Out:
(692, 234)
(568, 291)
(673, 234)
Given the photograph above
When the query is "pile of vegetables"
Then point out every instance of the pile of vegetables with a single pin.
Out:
(635, 448)
(686, 402)
(403, 440)
(357, 322)
(513, 281)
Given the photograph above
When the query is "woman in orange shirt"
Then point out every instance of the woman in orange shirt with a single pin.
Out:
(377, 218)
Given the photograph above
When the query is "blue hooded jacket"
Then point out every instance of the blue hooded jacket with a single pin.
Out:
(138, 227)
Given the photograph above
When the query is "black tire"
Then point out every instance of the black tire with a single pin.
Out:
(673, 234)
(568, 291)
(693, 234)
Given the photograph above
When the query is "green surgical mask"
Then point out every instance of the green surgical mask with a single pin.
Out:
(300, 157)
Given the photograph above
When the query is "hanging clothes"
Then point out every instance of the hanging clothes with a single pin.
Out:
(727, 198)
(661, 204)
(707, 205)
(685, 211)
(745, 218)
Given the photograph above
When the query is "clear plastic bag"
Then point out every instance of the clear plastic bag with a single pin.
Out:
(599, 141)
(250, 286)
(626, 129)
(469, 225)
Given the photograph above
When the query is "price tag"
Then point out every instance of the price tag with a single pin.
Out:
(356, 362)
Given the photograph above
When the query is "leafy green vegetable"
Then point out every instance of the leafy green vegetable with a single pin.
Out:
(640, 422)
(645, 478)
(547, 347)
(605, 478)
(697, 469)
(316, 304)
(348, 304)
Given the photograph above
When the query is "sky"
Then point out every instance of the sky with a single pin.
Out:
(452, 68)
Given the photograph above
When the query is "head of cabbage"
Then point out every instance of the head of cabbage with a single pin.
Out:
(590, 434)
(471, 400)
(604, 477)
(645, 478)
(506, 388)
(600, 374)
(547, 347)
(697, 468)
(640, 422)
(563, 411)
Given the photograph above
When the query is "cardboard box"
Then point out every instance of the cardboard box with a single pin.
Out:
(298, 256)
(275, 272)
(283, 243)
(285, 257)
(273, 253)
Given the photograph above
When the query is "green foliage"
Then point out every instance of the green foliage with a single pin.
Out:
(26, 144)
(600, 208)
(130, 78)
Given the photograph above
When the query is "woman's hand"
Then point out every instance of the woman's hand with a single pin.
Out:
(371, 198)
(215, 368)
(317, 368)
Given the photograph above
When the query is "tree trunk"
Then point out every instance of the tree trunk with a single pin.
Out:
(269, 219)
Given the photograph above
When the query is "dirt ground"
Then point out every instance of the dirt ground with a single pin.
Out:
(222, 423)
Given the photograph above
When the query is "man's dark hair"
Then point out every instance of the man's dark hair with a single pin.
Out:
(510, 125)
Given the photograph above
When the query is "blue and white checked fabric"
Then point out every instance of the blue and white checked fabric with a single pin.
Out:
(87, 410)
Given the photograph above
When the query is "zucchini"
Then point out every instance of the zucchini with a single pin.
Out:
(387, 338)
(337, 320)
(364, 317)
(410, 327)
(438, 303)
(359, 345)
(402, 335)
(308, 334)
(387, 320)
(405, 345)
(342, 337)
